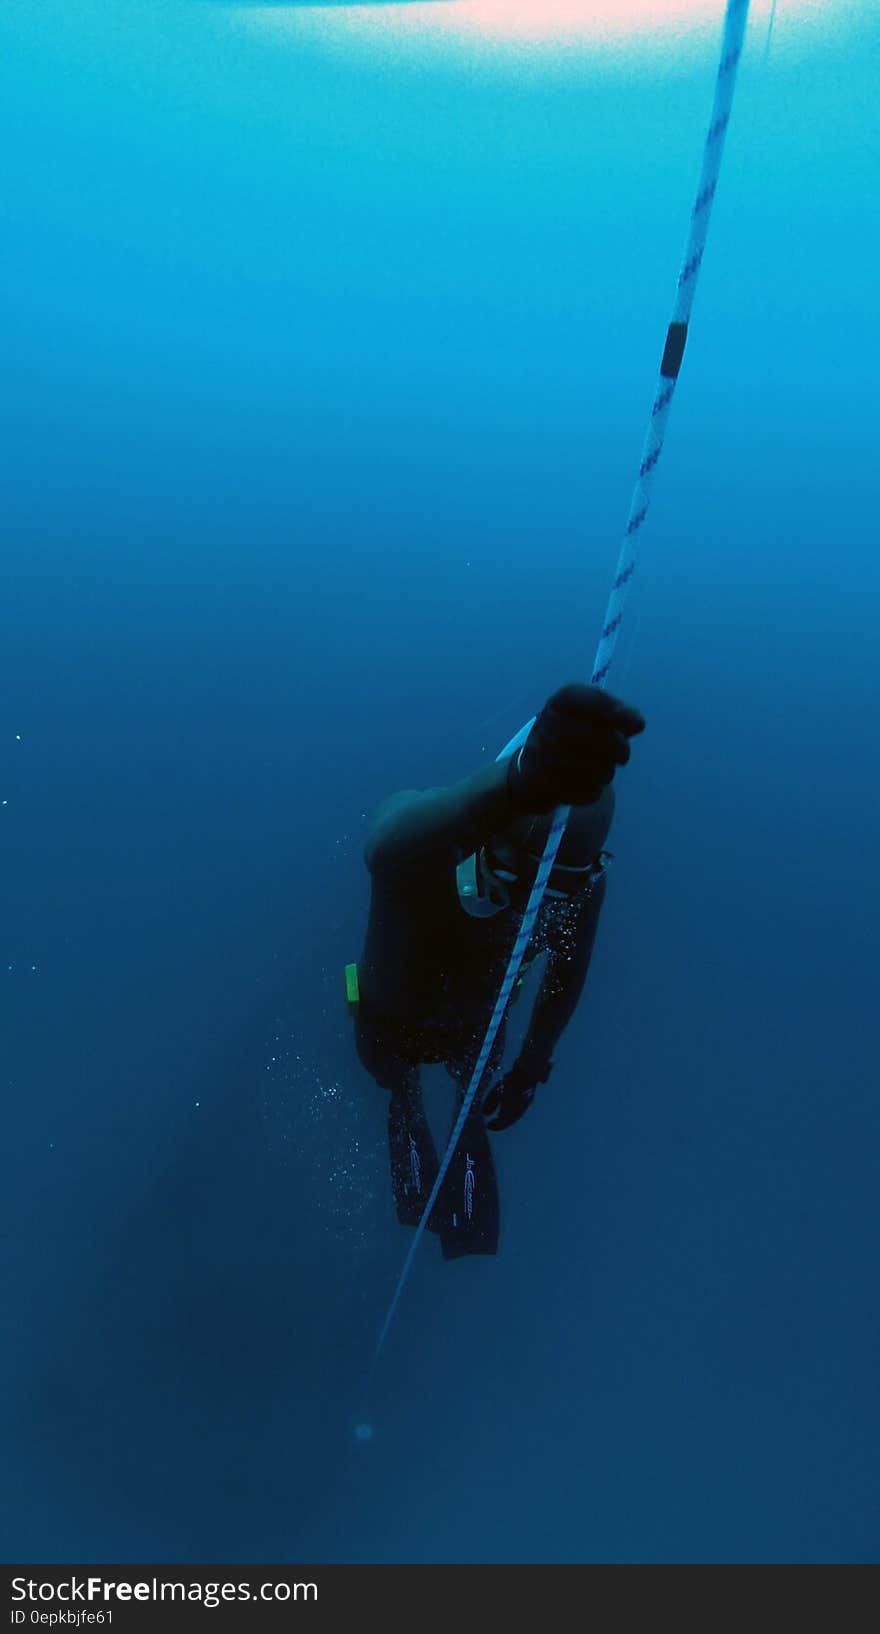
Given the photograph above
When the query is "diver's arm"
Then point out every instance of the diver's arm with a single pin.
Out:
(561, 988)
(509, 1098)
(419, 823)
(570, 755)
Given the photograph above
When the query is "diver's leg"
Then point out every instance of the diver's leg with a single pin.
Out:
(411, 1147)
(461, 1066)
(471, 1217)
(468, 1206)
(413, 1155)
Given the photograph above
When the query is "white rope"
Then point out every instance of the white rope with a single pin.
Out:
(735, 19)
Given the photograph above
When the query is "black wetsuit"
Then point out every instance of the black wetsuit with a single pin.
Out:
(429, 976)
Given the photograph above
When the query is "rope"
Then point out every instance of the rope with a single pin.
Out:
(770, 30)
(731, 49)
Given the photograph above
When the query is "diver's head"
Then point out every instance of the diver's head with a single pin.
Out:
(511, 858)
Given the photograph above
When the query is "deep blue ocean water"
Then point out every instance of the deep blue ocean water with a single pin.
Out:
(328, 343)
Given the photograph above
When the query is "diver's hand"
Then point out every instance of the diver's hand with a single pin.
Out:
(513, 1094)
(573, 750)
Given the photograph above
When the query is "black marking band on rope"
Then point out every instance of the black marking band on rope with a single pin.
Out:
(638, 519)
(673, 351)
(621, 579)
(648, 464)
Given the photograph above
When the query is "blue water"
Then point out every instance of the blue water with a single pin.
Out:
(326, 361)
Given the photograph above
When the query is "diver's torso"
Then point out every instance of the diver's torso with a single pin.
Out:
(425, 959)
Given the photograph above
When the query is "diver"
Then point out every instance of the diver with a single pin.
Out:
(451, 870)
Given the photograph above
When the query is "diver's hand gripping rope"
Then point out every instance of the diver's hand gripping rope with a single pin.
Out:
(735, 20)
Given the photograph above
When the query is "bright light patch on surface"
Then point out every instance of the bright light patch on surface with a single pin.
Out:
(558, 20)
(537, 31)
